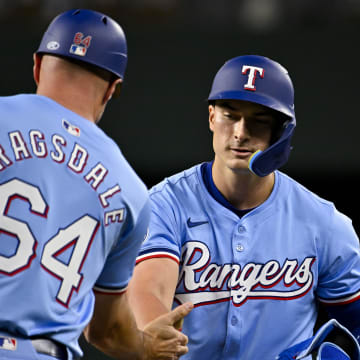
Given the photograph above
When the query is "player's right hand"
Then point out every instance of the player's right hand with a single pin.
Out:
(162, 340)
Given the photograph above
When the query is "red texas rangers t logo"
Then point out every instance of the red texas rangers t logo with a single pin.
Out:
(205, 282)
(252, 72)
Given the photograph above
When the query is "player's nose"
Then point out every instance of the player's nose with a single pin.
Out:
(241, 130)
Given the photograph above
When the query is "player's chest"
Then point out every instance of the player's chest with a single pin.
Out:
(238, 259)
(233, 240)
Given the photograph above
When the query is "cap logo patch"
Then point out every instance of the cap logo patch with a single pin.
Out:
(7, 343)
(80, 44)
(53, 45)
(252, 72)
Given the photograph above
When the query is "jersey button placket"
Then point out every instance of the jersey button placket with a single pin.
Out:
(239, 247)
(234, 334)
(234, 328)
(239, 239)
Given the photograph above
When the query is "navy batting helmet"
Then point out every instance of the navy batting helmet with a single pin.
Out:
(332, 341)
(263, 81)
(87, 36)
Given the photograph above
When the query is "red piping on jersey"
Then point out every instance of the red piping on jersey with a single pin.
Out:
(157, 256)
(340, 302)
(109, 293)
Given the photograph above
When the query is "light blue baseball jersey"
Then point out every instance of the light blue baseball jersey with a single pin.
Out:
(254, 280)
(73, 214)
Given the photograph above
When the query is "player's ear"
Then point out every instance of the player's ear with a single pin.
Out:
(36, 68)
(113, 90)
(117, 89)
(211, 117)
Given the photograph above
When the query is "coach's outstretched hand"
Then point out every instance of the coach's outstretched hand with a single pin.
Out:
(162, 340)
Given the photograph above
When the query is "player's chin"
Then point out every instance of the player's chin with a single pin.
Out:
(239, 165)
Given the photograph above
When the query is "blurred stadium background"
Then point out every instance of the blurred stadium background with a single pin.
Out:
(175, 47)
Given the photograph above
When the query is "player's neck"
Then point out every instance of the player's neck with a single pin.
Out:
(81, 92)
(244, 190)
(73, 101)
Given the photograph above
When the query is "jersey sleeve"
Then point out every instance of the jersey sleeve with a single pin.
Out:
(163, 240)
(339, 272)
(120, 263)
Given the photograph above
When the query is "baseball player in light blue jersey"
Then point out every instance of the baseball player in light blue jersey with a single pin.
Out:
(251, 248)
(73, 213)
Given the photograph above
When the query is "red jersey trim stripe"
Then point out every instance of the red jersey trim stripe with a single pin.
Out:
(158, 254)
(342, 301)
(100, 290)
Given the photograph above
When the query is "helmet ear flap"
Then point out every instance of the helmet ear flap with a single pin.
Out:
(281, 124)
(262, 163)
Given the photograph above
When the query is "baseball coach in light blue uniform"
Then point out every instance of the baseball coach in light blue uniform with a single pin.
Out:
(73, 213)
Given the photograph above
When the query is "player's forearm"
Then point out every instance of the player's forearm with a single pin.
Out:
(118, 342)
(113, 328)
(118, 350)
(152, 288)
(147, 307)
(123, 340)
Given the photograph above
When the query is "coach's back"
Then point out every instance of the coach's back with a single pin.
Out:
(64, 190)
